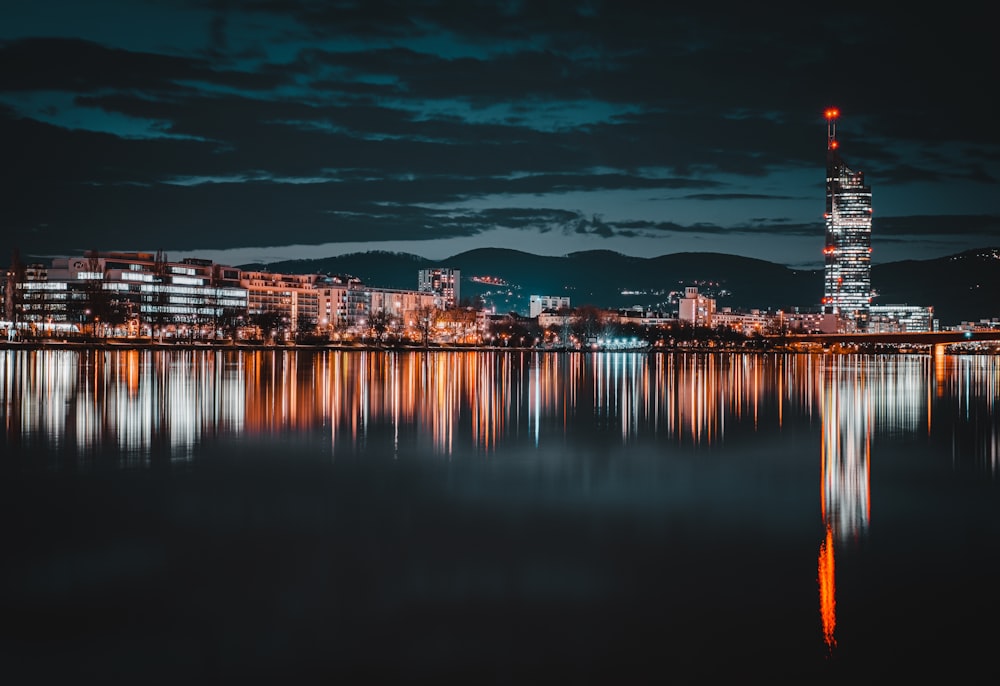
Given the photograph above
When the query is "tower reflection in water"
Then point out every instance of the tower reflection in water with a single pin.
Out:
(862, 395)
(845, 460)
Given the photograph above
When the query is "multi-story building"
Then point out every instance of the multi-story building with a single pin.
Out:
(695, 308)
(145, 294)
(282, 302)
(31, 298)
(847, 288)
(404, 309)
(539, 303)
(982, 325)
(806, 321)
(640, 316)
(747, 323)
(343, 306)
(444, 283)
(553, 318)
(118, 291)
(459, 325)
(901, 318)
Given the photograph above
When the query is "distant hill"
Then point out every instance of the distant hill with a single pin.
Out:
(960, 287)
(602, 278)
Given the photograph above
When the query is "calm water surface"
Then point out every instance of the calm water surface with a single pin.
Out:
(497, 517)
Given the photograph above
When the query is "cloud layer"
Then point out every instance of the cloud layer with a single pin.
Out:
(216, 126)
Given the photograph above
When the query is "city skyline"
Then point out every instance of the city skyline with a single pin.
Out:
(273, 131)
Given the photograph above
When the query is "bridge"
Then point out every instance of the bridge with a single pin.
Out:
(938, 339)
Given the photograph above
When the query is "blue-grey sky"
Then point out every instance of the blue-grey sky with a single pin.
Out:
(275, 129)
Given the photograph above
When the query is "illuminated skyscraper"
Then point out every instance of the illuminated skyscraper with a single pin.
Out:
(847, 278)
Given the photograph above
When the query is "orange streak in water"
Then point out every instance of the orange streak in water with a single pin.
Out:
(827, 590)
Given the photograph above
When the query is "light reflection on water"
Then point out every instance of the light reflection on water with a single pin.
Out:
(703, 440)
(448, 402)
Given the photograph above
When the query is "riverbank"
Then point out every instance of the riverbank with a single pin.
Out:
(342, 346)
(758, 347)
(132, 344)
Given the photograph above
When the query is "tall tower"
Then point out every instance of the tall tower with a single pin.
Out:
(847, 287)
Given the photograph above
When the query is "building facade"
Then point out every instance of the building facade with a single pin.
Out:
(444, 283)
(407, 312)
(144, 294)
(640, 316)
(806, 321)
(343, 306)
(695, 308)
(280, 304)
(115, 293)
(747, 323)
(901, 318)
(539, 303)
(847, 288)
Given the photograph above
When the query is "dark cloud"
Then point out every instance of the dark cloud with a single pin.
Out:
(525, 218)
(711, 197)
(311, 122)
(967, 224)
(80, 66)
(47, 64)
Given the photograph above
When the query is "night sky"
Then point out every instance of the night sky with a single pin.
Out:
(278, 129)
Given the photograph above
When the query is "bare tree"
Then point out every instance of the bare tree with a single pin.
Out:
(589, 322)
(566, 330)
(426, 319)
(380, 322)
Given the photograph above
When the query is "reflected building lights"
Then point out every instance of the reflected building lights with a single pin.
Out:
(435, 401)
(846, 451)
(137, 406)
(97, 399)
(975, 382)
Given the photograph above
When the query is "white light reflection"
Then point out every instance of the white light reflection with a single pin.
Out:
(432, 402)
(846, 449)
(121, 402)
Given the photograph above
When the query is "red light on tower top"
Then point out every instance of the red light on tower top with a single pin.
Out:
(831, 114)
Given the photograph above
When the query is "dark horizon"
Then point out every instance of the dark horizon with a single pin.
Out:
(45, 257)
(959, 287)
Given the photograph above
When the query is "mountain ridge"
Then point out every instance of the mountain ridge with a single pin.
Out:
(961, 287)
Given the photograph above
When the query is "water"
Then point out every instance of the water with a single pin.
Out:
(497, 517)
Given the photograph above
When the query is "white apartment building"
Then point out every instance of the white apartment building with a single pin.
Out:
(539, 303)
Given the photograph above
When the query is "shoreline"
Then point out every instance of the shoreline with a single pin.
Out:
(256, 346)
(125, 344)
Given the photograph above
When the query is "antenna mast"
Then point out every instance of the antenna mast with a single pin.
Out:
(831, 114)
